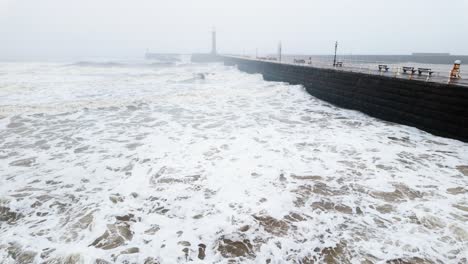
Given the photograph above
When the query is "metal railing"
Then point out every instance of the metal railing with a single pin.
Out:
(440, 73)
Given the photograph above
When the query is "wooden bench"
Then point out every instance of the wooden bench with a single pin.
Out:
(411, 69)
(421, 70)
(339, 64)
(383, 67)
(299, 61)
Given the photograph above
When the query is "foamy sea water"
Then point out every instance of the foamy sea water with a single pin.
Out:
(145, 163)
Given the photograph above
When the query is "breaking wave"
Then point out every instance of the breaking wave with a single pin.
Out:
(107, 162)
(97, 64)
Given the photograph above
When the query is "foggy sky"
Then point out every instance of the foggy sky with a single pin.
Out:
(72, 29)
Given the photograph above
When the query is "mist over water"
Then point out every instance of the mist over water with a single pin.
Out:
(169, 162)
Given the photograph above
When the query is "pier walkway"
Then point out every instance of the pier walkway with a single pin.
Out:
(395, 70)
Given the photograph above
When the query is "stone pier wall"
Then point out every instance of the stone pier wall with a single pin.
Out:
(440, 109)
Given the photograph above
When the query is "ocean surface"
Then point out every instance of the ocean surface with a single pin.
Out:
(174, 162)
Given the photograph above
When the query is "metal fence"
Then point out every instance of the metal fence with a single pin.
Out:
(441, 73)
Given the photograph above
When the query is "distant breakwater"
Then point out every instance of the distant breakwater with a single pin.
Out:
(407, 59)
(440, 109)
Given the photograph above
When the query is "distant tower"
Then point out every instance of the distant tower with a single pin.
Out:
(213, 42)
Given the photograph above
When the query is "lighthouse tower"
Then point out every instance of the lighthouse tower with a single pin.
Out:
(213, 42)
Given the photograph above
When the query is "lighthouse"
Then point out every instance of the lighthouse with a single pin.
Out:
(213, 42)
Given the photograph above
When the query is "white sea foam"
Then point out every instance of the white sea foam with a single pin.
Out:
(129, 163)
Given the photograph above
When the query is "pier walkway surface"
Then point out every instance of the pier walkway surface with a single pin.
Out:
(440, 75)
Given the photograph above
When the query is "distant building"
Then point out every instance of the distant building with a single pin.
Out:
(430, 54)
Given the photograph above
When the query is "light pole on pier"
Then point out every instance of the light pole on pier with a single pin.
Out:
(334, 58)
(279, 51)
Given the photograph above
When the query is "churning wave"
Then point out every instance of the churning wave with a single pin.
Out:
(97, 64)
(107, 162)
(121, 65)
(160, 61)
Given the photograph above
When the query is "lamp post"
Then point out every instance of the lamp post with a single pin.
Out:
(334, 58)
(279, 51)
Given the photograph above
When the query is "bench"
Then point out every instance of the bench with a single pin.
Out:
(383, 67)
(421, 70)
(299, 61)
(338, 64)
(411, 69)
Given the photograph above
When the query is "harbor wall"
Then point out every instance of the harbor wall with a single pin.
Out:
(440, 109)
(206, 57)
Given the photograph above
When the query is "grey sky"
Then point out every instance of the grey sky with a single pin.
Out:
(71, 29)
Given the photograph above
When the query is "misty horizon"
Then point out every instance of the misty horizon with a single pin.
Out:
(65, 30)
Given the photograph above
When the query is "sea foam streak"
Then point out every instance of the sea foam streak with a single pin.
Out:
(115, 163)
